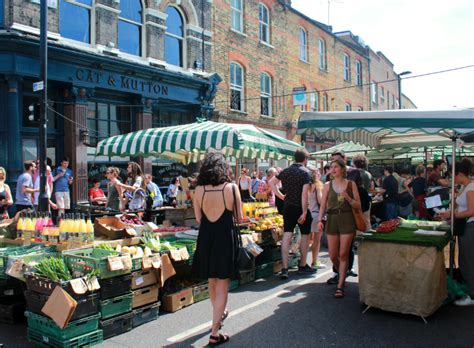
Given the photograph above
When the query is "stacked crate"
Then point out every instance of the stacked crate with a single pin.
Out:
(12, 301)
(145, 296)
(268, 262)
(83, 327)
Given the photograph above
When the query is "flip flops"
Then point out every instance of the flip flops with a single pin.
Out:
(218, 340)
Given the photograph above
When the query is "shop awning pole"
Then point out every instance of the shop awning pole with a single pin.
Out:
(452, 242)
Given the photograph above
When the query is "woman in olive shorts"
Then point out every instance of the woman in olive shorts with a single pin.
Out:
(339, 197)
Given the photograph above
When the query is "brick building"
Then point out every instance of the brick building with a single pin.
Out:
(265, 51)
(114, 67)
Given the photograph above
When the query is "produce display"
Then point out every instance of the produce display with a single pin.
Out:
(131, 219)
(170, 229)
(53, 268)
(388, 226)
(267, 223)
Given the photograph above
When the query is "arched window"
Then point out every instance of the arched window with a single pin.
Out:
(174, 39)
(358, 73)
(130, 27)
(75, 20)
(322, 54)
(325, 102)
(264, 19)
(303, 45)
(265, 95)
(236, 87)
(314, 101)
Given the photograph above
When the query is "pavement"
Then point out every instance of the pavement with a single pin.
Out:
(300, 312)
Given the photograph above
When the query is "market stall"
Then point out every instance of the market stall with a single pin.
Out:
(393, 129)
(349, 148)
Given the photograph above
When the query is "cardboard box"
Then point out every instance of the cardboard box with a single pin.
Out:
(110, 227)
(178, 300)
(144, 278)
(142, 297)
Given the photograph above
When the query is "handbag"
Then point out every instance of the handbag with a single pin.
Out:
(358, 214)
(245, 259)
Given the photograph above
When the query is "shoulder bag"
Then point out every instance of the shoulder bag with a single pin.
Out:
(245, 259)
(358, 215)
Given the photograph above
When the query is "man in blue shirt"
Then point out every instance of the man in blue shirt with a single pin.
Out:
(62, 177)
(24, 188)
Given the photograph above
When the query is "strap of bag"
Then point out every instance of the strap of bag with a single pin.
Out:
(350, 188)
(234, 209)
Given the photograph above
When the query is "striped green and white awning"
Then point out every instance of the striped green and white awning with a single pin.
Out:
(350, 150)
(389, 128)
(189, 143)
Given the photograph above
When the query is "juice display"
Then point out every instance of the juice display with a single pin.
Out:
(82, 229)
(20, 227)
(89, 230)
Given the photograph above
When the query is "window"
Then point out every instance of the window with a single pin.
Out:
(264, 18)
(130, 27)
(382, 95)
(236, 87)
(303, 45)
(393, 101)
(358, 73)
(265, 95)
(105, 120)
(165, 118)
(174, 38)
(237, 18)
(374, 92)
(322, 55)
(314, 101)
(75, 20)
(388, 100)
(325, 102)
(347, 107)
(347, 67)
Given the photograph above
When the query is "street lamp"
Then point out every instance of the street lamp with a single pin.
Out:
(400, 87)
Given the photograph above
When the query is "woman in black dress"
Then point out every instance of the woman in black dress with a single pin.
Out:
(216, 201)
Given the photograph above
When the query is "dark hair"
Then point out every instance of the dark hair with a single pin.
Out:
(28, 165)
(339, 153)
(355, 176)
(437, 163)
(214, 170)
(341, 163)
(136, 170)
(65, 159)
(301, 155)
(95, 181)
(464, 166)
(360, 161)
(389, 169)
(326, 167)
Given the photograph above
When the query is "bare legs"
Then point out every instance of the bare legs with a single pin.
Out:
(285, 248)
(218, 291)
(315, 245)
(304, 246)
(339, 246)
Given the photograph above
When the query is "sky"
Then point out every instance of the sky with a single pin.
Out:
(421, 36)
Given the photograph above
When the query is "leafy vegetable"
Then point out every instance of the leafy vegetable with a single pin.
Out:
(104, 246)
(151, 241)
(53, 268)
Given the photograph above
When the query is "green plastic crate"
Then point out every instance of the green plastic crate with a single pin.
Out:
(234, 284)
(49, 328)
(84, 261)
(264, 271)
(137, 263)
(269, 254)
(83, 341)
(116, 306)
(247, 276)
(8, 252)
(201, 292)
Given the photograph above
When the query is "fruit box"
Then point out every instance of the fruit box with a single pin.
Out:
(176, 301)
(132, 221)
(144, 278)
(110, 227)
(142, 297)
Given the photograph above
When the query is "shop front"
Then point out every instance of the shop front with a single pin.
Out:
(90, 97)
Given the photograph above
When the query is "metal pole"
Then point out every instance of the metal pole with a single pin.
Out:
(399, 91)
(452, 242)
(43, 130)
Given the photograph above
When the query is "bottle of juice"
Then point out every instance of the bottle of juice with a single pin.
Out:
(30, 227)
(90, 230)
(20, 227)
(39, 227)
(83, 229)
(62, 231)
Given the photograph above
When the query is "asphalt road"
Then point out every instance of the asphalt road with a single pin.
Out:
(300, 312)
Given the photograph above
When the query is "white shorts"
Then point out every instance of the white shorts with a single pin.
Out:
(314, 223)
(63, 200)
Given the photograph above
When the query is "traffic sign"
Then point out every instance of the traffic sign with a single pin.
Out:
(38, 86)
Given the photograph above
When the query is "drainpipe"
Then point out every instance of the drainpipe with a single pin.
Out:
(203, 46)
(370, 83)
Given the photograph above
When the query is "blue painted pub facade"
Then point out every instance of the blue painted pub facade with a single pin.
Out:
(99, 91)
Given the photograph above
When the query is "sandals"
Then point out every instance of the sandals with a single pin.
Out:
(339, 293)
(218, 340)
(224, 316)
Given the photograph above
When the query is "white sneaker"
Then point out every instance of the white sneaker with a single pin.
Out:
(465, 301)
